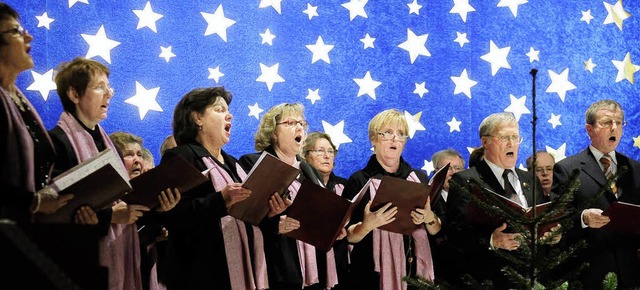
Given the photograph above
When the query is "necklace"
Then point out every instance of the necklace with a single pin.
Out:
(17, 99)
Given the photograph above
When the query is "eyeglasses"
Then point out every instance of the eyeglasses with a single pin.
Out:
(292, 123)
(609, 123)
(18, 30)
(329, 152)
(516, 139)
(542, 170)
(455, 168)
(103, 89)
(388, 135)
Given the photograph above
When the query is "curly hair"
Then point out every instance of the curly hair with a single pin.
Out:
(264, 135)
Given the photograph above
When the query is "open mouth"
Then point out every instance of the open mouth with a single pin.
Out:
(298, 139)
(510, 154)
(612, 138)
(227, 127)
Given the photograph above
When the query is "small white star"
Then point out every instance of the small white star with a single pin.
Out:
(420, 89)
(461, 38)
(414, 122)
(589, 65)
(368, 41)
(586, 16)
(313, 95)
(217, 23)
(255, 111)
(145, 100)
(415, 45)
(626, 69)
(166, 53)
(100, 45)
(616, 14)
(367, 85)
(320, 50)
(636, 141)
(267, 37)
(518, 106)
(560, 84)
(336, 132)
(147, 18)
(276, 4)
(454, 125)
(558, 154)
(311, 11)
(462, 7)
(73, 2)
(533, 55)
(356, 8)
(414, 7)
(215, 74)
(44, 20)
(428, 167)
(42, 83)
(555, 120)
(269, 75)
(512, 4)
(463, 84)
(497, 57)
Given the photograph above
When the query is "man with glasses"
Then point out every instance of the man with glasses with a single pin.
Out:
(543, 169)
(478, 243)
(607, 251)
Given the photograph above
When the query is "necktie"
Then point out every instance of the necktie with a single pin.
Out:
(608, 173)
(510, 192)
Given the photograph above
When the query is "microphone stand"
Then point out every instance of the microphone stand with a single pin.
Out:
(534, 122)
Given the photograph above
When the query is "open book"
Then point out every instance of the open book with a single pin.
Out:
(267, 176)
(322, 214)
(406, 196)
(436, 183)
(624, 217)
(95, 182)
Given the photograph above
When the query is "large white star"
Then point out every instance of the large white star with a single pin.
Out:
(586, 16)
(616, 14)
(558, 154)
(462, 7)
(311, 11)
(73, 2)
(215, 74)
(42, 83)
(267, 37)
(454, 125)
(555, 120)
(217, 23)
(414, 122)
(276, 4)
(255, 111)
(356, 8)
(145, 100)
(367, 85)
(463, 84)
(560, 83)
(269, 75)
(166, 53)
(428, 167)
(368, 41)
(44, 20)
(414, 7)
(336, 132)
(320, 50)
(415, 45)
(461, 38)
(421, 89)
(626, 69)
(313, 95)
(533, 55)
(100, 45)
(589, 65)
(147, 18)
(497, 57)
(512, 4)
(517, 106)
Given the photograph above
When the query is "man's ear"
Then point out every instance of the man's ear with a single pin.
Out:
(73, 95)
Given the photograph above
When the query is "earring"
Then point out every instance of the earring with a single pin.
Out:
(199, 127)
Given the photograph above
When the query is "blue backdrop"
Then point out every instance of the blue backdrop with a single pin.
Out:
(446, 64)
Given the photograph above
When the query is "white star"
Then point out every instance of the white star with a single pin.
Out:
(73, 2)
(517, 106)
(276, 4)
(463, 84)
(336, 132)
(428, 167)
(269, 75)
(560, 83)
(420, 89)
(454, 125)
(616, 14)
(462, 7)
(44, 20)
(145, 100)
(166, 53)
(42, 83)
(589, 65)
(415, 45)
(555, 120)
(311, 11)
(533, 55)
(414, 122)
(636, 141)
(313, 95)
(414, 7)
(356, 8)
(320, 50)
(626, 69)
(367, 85)
(255, 111)
(512, 4)
(267, 37)
(470, 149)
(497, 57)
(586, 16)
(100, 45)
(217, 23)
(215, 74)
(461, 38)
(558, 154)
(368, 41)
(147, 18)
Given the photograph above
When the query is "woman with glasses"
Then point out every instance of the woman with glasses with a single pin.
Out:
(380, 259)
(282, 132)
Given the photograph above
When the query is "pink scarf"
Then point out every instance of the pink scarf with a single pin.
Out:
(388, 251)
(236, 242)
(120, 249)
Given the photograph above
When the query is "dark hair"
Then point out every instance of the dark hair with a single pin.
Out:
(76, 74)
(185, 128)
(6, 13)
(476, 156)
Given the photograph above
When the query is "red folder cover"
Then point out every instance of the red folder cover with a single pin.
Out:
(404, 194)
(624, 217)
(437, 182)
